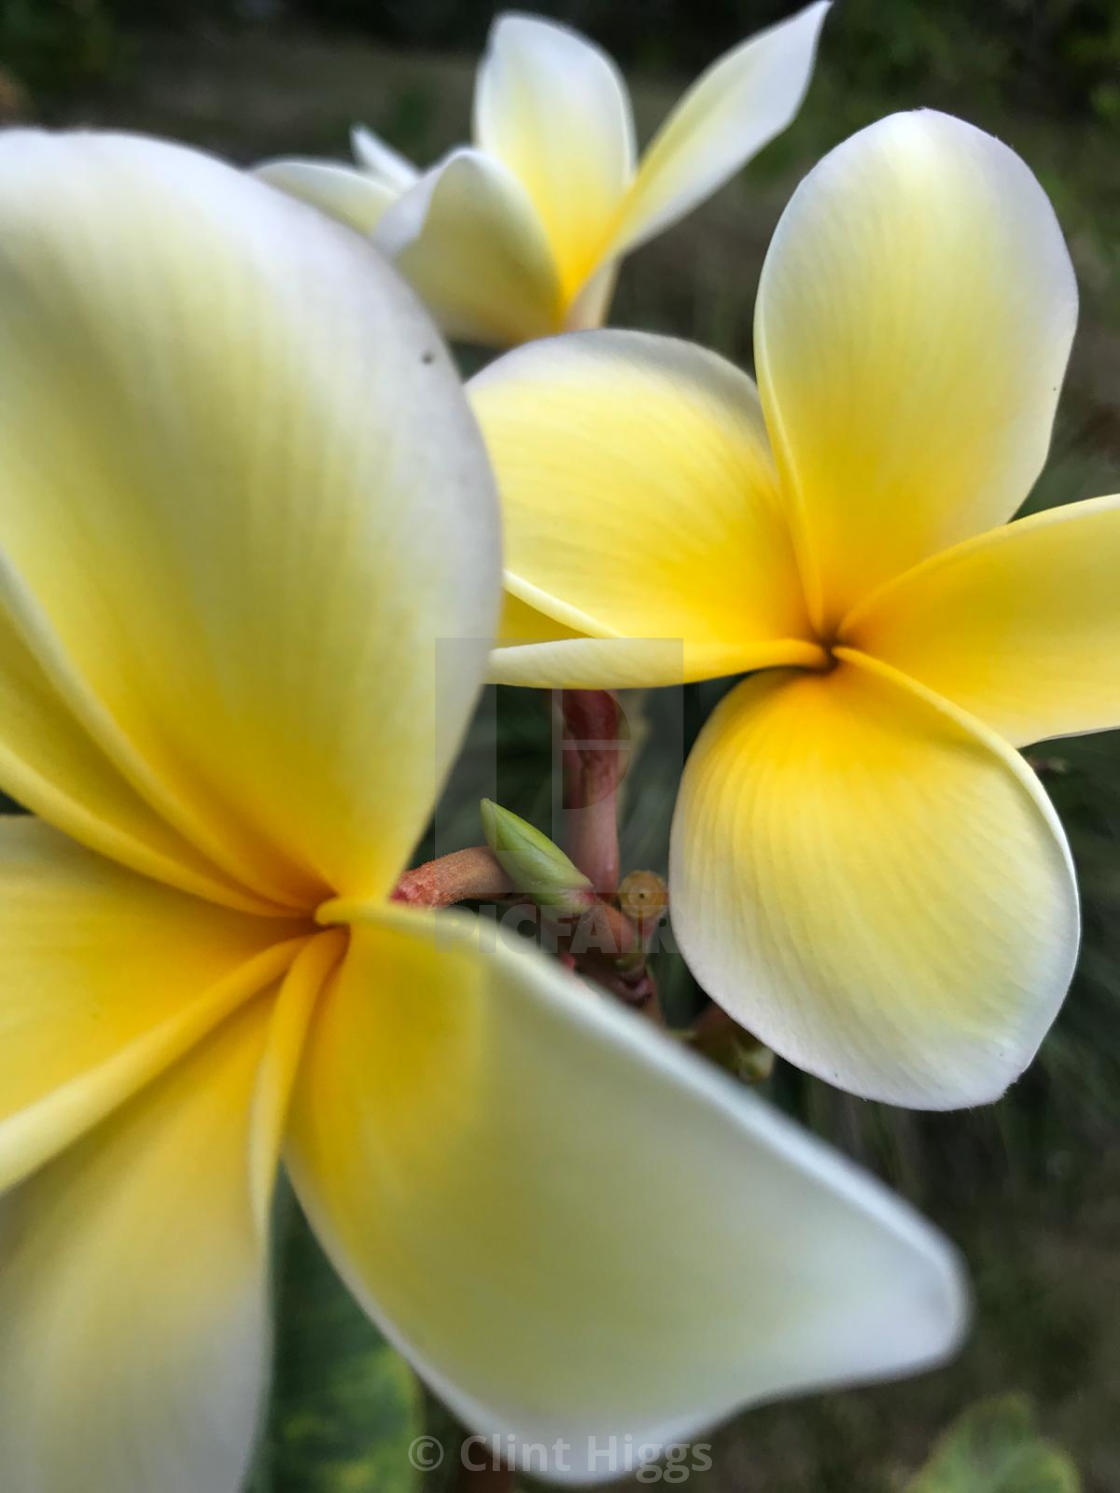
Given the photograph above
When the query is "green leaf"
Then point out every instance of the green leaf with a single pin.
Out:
(995, 1447)
(344, 1405)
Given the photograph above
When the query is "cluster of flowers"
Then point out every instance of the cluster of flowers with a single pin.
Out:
(244, 497)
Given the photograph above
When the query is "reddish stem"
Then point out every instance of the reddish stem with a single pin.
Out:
(599, 940)
(600, 928)
(471, 875)
(594, 761)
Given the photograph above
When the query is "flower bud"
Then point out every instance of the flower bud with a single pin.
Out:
(644, 898)
(534, 864)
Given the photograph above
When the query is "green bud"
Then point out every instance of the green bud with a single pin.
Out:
(533, 863)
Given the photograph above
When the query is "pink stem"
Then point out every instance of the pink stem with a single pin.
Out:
(599, 940)
(471, 875)
(594, 762)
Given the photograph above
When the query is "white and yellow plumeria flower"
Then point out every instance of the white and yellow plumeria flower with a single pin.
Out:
(863, 870)
(519, 236)
(243, 499)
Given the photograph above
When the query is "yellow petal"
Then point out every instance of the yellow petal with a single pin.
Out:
(589, 308)
(533, 649)
(554, 110)
(735, 108)
(107, 978)
(534, 1193)
(51, 761)
(874, 884)
(133, 1289)
(536, 651)
(1020, 626)
(640, 503)
(469, 240)
(249, 504)
(304, 983)
(914, 317)
(351, 196)
(522, 624)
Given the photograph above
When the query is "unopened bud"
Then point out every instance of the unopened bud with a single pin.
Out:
(644, 898)
(536, 866)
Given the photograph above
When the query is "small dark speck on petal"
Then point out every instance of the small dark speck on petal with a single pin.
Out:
(428, 357)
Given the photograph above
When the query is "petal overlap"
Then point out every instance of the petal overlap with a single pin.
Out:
(133, 1290)
(61, 757)
(469, 239)
(108, 977)
(249, 572)
(1020, 626)
(213, 485)
(551, 106)
(640, 504)
(519, 235)
(353, 197)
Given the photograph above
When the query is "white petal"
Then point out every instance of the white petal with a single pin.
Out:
(471, 243)
(381, 161)
(576, 1229)
(552, 107)
(348, 195)
(726, 117)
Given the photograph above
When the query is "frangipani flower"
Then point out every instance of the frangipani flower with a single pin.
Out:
(863, 869)
(519, 236)
(243, 499)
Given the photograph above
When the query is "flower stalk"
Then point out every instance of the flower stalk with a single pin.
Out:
(471, 875)
(604, 938)
(594, 756)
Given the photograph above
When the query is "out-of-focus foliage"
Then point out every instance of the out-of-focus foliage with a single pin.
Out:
(1050, 54)
(344, 1406)
(48, 47)
(995, 1447)
(1064, 51)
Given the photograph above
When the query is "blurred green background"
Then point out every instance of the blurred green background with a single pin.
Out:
(1028, 1187)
